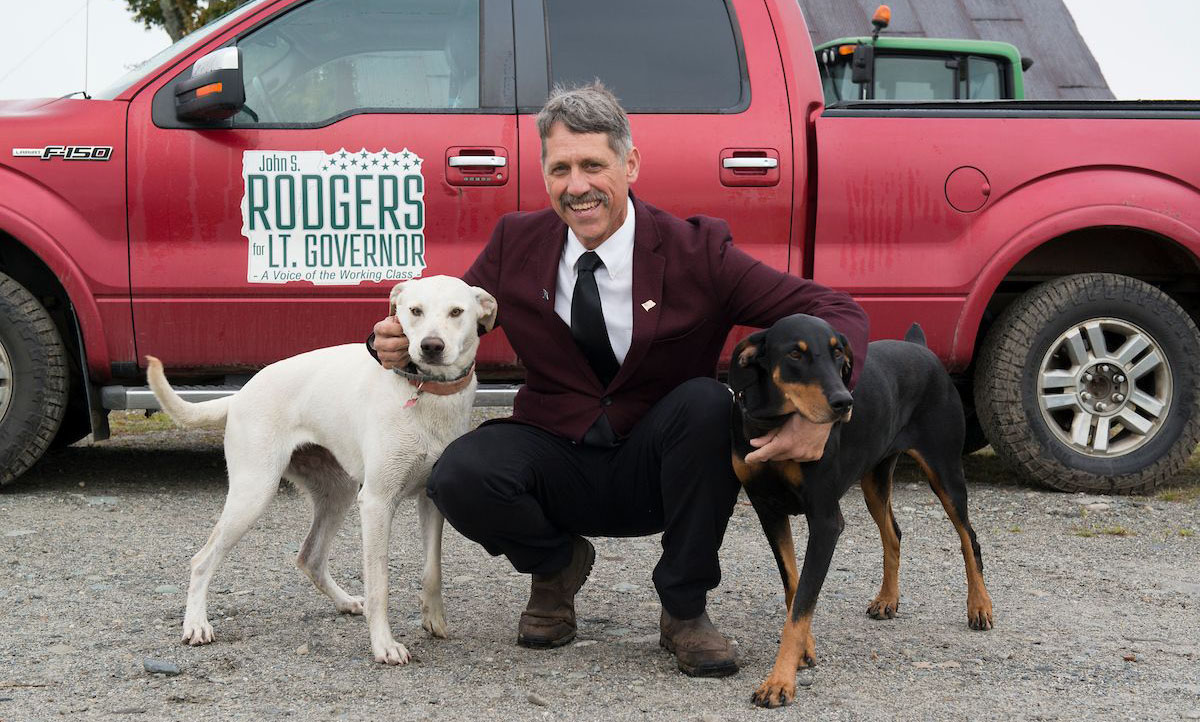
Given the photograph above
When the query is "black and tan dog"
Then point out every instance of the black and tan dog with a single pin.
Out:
(905, 403)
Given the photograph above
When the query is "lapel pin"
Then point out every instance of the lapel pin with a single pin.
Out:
(545, 295)
(649, 305)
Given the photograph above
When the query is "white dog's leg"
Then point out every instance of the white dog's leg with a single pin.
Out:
(331, 491)
(433, 612)
(377, 508)
(250, 490)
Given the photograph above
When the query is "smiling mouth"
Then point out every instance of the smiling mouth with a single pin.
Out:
(583, 207)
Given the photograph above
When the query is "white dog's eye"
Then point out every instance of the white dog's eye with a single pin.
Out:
(455, 312)
(415, 310)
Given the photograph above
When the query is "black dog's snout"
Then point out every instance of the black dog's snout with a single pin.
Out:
(841, 402)
(432, 346)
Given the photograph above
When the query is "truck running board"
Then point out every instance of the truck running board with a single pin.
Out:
(121, 398)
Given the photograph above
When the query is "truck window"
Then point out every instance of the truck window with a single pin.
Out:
(329, 58)
(667, 55)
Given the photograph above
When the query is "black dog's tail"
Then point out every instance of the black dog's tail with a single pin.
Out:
(915, 335)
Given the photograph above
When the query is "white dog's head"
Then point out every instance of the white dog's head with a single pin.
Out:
(443, 318)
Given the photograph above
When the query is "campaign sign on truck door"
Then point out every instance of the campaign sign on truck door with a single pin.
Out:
(333, 218)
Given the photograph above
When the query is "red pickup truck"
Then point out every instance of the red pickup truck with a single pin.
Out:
(251, 192)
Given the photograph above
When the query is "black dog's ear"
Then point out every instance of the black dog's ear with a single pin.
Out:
(747, 361)
(749, 350)
(847, 359)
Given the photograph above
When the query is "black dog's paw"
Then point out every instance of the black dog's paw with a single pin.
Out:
(883, 608)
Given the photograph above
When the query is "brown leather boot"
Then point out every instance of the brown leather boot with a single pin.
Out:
(549, 619)
(699, 649)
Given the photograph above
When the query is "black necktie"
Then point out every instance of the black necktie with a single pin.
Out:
(587, 320)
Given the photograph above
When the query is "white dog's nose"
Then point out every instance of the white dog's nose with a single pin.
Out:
(432, 347)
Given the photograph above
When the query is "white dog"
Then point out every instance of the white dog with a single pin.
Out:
(336, 423)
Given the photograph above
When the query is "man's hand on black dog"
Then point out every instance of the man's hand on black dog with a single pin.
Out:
(797, 440)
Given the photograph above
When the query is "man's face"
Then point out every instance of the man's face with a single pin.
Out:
(587, 182)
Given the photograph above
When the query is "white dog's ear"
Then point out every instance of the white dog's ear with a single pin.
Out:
(487, 309)
(394, 298)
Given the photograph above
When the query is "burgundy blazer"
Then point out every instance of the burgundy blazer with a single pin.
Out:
(701, 286)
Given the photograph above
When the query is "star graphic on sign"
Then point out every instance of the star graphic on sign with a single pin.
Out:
(407, 166)
(324, 167)
(406, 155)
(384, 154)
(374, 161)
(364, 153)
(354, 163)
(343, 166)
(343, 154)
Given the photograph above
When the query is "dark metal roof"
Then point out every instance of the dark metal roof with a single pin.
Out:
(1042, 29)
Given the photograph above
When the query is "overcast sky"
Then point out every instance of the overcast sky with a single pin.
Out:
(1142, 47)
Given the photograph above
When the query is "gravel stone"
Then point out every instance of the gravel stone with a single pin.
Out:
(160, 666)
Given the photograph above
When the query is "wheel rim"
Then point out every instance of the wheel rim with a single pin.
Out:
(1104, 387)
(5, 381)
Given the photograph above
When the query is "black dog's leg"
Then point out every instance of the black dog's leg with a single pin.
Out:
(796, 648)
(877, 491)
(946, 478)
(778, 528)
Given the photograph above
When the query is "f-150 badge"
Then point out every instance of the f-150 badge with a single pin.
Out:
(66, 152)
(333, 219)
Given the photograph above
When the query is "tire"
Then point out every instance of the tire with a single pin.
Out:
(1100, 350)
(33, 380)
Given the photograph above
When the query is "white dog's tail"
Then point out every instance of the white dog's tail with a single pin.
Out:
(184, 413)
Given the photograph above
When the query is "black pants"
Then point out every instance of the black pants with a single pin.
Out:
(521, 491)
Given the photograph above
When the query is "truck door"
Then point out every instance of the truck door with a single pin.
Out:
(682, 71)
(375, 145)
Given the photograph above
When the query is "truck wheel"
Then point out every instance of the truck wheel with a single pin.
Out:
(1090, 383)
(33, 379)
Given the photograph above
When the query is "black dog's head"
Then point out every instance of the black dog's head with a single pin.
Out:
(799, 365)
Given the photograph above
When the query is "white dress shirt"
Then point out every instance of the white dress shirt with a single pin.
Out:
(615, 282)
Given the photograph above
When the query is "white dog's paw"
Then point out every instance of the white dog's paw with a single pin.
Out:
(197, 633)
(350, 605)
(433, 619)
(390, 652)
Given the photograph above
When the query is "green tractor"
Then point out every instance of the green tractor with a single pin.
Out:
(875, 68)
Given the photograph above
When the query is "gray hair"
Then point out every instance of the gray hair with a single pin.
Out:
(587, 109)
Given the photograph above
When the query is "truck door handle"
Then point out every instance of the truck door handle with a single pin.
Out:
(742, 167)
(750, 163)
(474, 165)
(494, 161)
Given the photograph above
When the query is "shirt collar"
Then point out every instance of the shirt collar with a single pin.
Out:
(616, 251)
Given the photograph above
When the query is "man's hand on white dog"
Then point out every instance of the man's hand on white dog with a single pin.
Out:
(391, 344)
(797, 440)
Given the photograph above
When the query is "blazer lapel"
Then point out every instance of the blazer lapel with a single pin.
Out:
(648, 268)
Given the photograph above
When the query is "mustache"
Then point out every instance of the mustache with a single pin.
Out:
(568, 199)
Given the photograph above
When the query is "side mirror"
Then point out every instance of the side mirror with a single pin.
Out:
(214, 91)
(1026, 63)
(862, 64)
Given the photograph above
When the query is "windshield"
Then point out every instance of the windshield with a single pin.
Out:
(143, 68)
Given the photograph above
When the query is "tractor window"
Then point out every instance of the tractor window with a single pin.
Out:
(984, 79)
(914, 77)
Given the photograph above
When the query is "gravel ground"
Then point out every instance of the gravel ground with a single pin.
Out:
(1096, 603)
